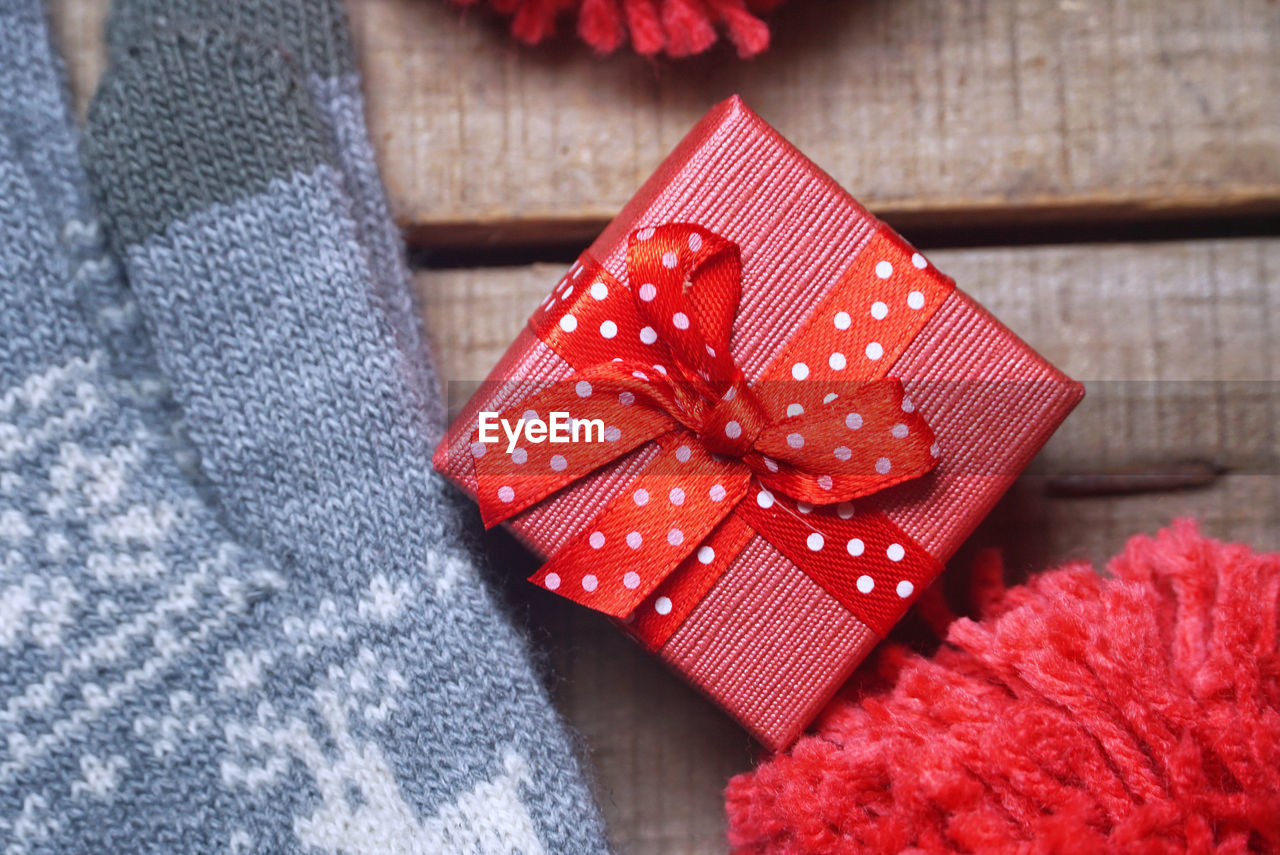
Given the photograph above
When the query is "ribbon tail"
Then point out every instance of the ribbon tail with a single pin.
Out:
(864, 561)
(644, 534)
(587, 421)
(664, 610)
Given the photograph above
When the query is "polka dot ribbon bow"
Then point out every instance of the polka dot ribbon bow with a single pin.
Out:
(720, 459)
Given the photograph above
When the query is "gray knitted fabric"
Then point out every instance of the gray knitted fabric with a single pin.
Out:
(315, 37)
(300, 657)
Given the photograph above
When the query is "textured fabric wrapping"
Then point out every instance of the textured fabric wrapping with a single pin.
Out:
(766, 642)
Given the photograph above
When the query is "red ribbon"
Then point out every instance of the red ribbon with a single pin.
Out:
(784, 457)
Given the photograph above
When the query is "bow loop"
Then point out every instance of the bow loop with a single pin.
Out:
(610, 408)
(686, 283)
(865, 439)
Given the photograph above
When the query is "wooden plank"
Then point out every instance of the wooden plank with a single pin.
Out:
(1004, 111)
(77, 29)
(1001, 109)
(1177, 345)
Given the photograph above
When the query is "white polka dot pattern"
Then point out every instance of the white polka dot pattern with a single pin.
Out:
(840, 440)
(653, 622)
(863, 561)
(837, 448)
(863, 324)
(660, 521)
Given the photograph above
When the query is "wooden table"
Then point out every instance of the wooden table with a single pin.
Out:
(1103, 175)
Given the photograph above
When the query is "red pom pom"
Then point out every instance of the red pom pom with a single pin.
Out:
(1133, 714)
(676, 27)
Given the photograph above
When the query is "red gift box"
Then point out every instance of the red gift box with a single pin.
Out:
(759, 543)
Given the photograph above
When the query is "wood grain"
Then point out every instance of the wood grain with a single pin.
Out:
(942, 112)
(1177, 343)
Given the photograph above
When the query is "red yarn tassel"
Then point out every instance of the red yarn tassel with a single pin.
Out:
(600, 24)
(680, 27)
(534, 20)
(747, 32)
(688, 27)
(647, 36)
